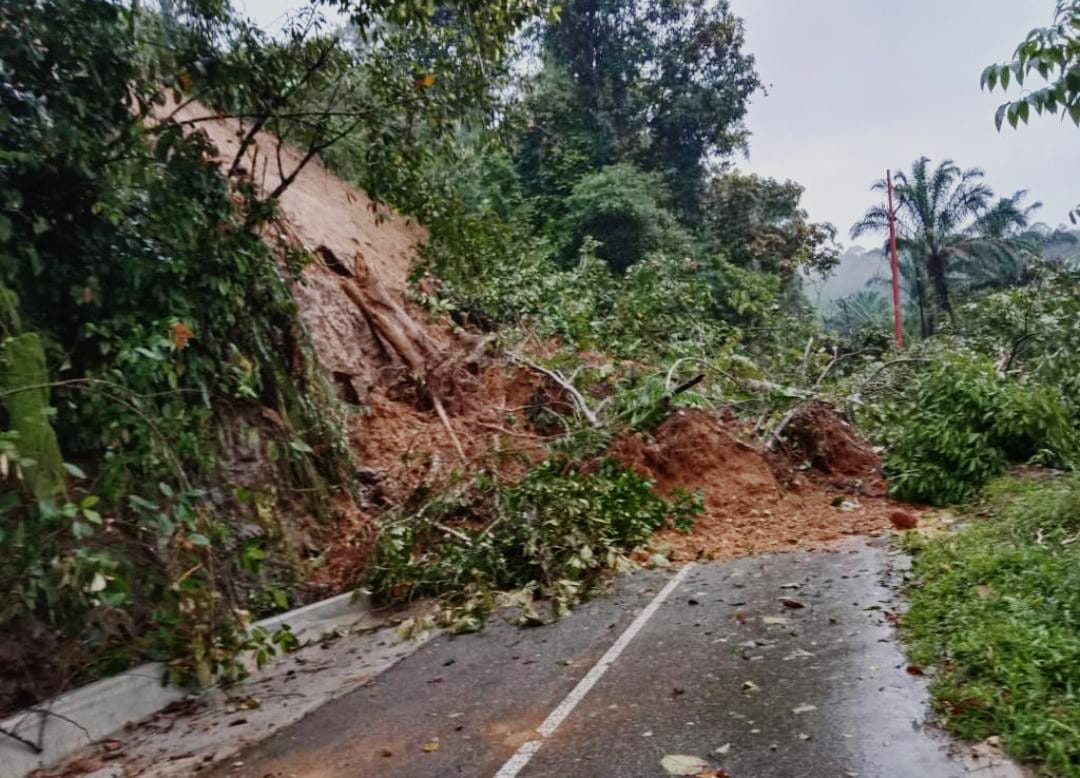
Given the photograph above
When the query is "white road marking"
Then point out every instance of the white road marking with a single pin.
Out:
(526, 752)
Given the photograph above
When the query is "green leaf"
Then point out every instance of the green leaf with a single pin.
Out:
(141, 503)
(298, 445)
(999, 116)
(74, 470)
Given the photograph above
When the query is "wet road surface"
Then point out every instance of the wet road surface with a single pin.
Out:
(780, 665)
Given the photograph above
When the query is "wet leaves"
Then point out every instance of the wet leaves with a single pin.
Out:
(237, 703)
(181, 334)
(684, 764)
(413, 628)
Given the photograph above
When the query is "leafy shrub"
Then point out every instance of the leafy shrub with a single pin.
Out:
(997, 608)
(553, 532)
(71, 576)
(961, 423)
(164, 316)
(622, 208)
(758, 223)
(1034, 329)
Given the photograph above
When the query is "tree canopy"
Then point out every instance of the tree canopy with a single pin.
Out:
(662, 84)
(1053, 53)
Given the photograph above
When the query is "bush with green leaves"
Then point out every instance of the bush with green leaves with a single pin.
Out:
(960, 422)
(995, 608)
(165, 318)
(553, 532)
(1034, 330)
(101, 587)
(624, 210)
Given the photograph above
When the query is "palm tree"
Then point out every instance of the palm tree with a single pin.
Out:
(863, 311)
(913, 287)
(1005, 245)
(942, 215)
(1008, 217)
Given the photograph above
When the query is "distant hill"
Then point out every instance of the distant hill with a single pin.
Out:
(857, 266)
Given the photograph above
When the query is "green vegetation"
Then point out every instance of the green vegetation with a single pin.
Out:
(141, 299)
(945, 217)
(1054, 54)
(994, 607)
(572, 166)
(548, 535)
(960, 423)
(996, 610)
(1000, 390)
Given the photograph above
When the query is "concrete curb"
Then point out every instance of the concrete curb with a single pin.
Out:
(100, 709)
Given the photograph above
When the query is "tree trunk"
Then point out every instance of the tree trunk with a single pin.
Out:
(936, 269)
(926, 321)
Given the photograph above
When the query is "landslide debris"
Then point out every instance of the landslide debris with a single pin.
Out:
(429, 402)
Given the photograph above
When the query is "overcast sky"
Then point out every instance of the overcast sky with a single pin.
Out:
(855, 86)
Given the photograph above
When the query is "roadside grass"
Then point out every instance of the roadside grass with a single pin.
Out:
(995, 610)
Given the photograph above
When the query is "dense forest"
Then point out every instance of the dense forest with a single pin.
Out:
(178, 458)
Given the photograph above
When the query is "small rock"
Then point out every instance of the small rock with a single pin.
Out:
(903, 520)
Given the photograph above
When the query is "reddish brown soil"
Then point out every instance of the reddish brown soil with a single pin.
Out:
(755, 500)
(826, 441)
(748, 510)
(409, 447)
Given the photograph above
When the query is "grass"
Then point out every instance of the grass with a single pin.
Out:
(995, 609)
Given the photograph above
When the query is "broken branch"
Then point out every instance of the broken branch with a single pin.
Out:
(575, 395)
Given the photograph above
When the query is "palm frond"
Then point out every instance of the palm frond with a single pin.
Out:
(875, 219)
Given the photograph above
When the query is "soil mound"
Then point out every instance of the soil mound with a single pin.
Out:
(692, 450)
(829, 444)
(432, 402)
(747, 509)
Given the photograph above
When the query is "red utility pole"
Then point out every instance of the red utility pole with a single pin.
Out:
(894, 262)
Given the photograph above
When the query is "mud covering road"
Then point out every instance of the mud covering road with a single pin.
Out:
(780, 665)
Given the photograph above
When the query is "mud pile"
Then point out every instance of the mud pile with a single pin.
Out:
(827, 442)
(758, 501)
(431, 401)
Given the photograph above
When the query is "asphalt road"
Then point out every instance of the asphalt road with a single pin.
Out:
(722, 669)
